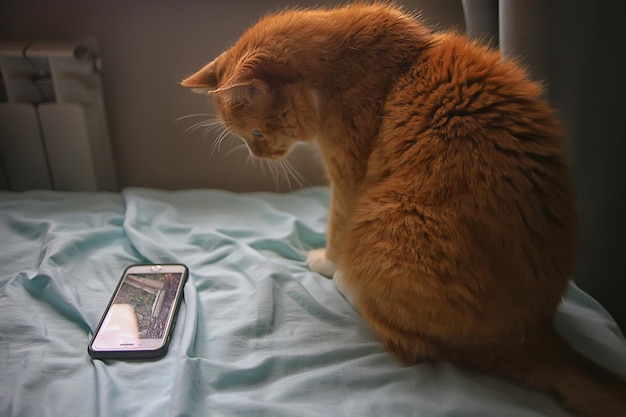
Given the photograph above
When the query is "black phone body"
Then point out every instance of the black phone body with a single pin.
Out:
(140, 317)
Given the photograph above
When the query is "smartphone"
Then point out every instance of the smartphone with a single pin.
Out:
(140, 317)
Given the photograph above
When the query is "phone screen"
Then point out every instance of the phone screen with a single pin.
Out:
(141, 312)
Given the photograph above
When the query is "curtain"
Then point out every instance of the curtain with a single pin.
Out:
(576, 48)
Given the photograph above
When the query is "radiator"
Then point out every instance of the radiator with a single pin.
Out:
(53, 130)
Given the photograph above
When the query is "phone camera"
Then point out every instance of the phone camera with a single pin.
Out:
(156, 267)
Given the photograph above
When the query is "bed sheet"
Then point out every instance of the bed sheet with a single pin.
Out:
(258, 333)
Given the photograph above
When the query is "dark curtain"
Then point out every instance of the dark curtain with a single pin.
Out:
(577, 48)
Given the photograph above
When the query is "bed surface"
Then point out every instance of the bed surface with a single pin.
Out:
(258, 334)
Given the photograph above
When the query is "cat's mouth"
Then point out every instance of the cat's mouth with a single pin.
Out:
(263, 152)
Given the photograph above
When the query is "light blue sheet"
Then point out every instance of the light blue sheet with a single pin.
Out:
(258, 333)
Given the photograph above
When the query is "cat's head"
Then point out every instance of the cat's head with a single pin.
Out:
(260, 98)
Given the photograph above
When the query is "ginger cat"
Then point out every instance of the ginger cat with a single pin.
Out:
(453, 228)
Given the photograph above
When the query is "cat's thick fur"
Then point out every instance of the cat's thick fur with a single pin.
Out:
(453, 222)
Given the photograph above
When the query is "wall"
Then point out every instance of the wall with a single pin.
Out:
(147, 48)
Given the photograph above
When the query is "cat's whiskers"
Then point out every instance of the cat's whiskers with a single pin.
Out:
(225, 133)
(281, 171)
(290, 171)
(267, 165)
(211, 126)
(236, 148)
(207, 125)
(187, 116)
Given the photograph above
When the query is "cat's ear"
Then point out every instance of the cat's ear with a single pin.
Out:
(203, 81)
(244, 85)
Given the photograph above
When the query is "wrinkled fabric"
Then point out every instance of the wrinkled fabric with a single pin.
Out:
(258, 333)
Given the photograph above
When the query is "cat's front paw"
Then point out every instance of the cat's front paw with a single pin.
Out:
(317, 261)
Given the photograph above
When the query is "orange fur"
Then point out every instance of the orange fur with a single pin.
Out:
(453, 222)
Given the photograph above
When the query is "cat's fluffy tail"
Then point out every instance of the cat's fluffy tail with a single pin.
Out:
(551, 365)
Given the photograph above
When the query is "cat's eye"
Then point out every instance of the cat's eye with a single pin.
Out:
(257, 134)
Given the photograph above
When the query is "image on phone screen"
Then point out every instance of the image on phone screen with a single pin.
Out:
(141, 312)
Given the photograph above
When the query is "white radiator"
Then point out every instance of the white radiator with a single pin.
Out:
(53, 130)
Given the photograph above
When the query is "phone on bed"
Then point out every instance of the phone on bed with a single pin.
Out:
(140, 317)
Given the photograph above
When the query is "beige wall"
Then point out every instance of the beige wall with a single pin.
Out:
(147, 48)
